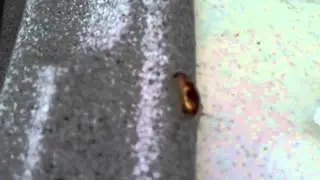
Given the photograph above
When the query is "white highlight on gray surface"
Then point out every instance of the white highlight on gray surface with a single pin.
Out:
(45, 89)
(105, 22)
(316, 117)
(25, 31)
(147, 149)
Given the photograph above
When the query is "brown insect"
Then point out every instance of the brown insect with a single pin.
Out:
(189, 95)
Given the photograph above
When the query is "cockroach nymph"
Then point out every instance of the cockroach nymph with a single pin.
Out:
(189, 94)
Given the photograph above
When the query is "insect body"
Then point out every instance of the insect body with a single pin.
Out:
(189, 94)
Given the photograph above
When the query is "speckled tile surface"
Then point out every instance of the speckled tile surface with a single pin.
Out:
(87, 95)
(258, 69)
(12, 15)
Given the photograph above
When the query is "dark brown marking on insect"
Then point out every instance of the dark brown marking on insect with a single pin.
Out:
(179, 75)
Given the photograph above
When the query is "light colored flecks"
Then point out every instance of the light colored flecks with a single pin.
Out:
(45, 89)
(27, 28)
(316, 117)
(265, 75)
(104, 24)
(146, 149)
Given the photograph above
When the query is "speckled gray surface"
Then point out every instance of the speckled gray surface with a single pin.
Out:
(12, 14)
(75, 104)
